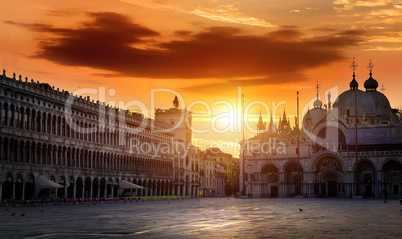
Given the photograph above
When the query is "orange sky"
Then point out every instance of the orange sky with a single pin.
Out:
(205, 51)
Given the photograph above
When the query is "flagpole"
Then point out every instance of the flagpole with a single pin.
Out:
(298, 147)
(357, 157)
(244, 169)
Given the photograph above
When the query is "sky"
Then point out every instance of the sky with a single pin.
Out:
(208, 53)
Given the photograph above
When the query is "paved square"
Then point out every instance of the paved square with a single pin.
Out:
(209, 218)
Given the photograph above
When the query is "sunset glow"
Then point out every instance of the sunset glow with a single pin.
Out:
(209, 53)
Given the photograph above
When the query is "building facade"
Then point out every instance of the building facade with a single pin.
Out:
(56, 144)
(186, 163)
(327, 162)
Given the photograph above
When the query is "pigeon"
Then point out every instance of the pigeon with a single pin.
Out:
(12, 214)
(22, 214)
(42, 210)
(300, 209)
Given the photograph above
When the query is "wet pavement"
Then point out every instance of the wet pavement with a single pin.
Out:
(208, 218)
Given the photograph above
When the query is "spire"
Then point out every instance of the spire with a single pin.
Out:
(284, 116)
(370, 84)
(354, 85)
(261, 126)
(176, 102)
(272, 126)
(317, 102)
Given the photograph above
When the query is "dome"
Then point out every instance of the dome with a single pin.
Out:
(371, 84)
(382, 105)
(312, 117)
(353, 84)
(317, 103)
(345, 103)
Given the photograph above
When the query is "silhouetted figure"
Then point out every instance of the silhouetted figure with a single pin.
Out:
(384, 192)
(300, 209)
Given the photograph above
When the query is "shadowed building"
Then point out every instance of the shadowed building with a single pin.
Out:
(56, 144)
(329, 165)
(185, 165)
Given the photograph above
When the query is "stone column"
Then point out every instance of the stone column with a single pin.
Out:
(74, 189)
(83, 191)
(13, 197)
(23, 191)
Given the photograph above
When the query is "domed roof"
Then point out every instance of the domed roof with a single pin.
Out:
(312, 117)
(353, 84)
(345, 103)
(371, 84)
(382, 105)
(317, 103)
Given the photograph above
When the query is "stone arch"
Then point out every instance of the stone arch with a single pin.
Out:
(87, 187)
(61, 192)
(19, 187)
(330, 180)
(392, 176)
(7, 186)
(79, 188)
(109, 190)
(70, 188)
(29, 186)
(95, 188)
(366, 176)
(269, 176)
(103, 188)
(293, 178)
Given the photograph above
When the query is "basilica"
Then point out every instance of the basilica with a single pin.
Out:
(349, 148)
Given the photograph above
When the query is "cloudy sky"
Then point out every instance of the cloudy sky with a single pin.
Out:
(205, 51)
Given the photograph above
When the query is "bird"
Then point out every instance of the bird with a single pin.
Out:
(12, 214)
(42, 210)
(300, 209)
(22, 214)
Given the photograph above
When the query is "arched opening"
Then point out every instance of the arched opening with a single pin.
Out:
(331, 138)
(61, 192)
(368, 188)
(19, 188)
(328, 184)
(29, 187)
(331, 184)
(270, 179)
(293, 179)
(70, 189)
(392, 177)
(87, 189)
(95, 188)
(116, 188)
(366, 175)
(8, 187)
(102, 192)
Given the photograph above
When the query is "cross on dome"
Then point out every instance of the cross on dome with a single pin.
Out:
(370, 66)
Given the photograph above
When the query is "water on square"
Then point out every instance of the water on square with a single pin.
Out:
(208, 218)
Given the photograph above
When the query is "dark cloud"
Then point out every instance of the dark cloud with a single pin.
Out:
(111, 41)
(231, 84)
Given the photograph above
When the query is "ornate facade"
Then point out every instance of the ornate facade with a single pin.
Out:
(56, 144)
(329, 164)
